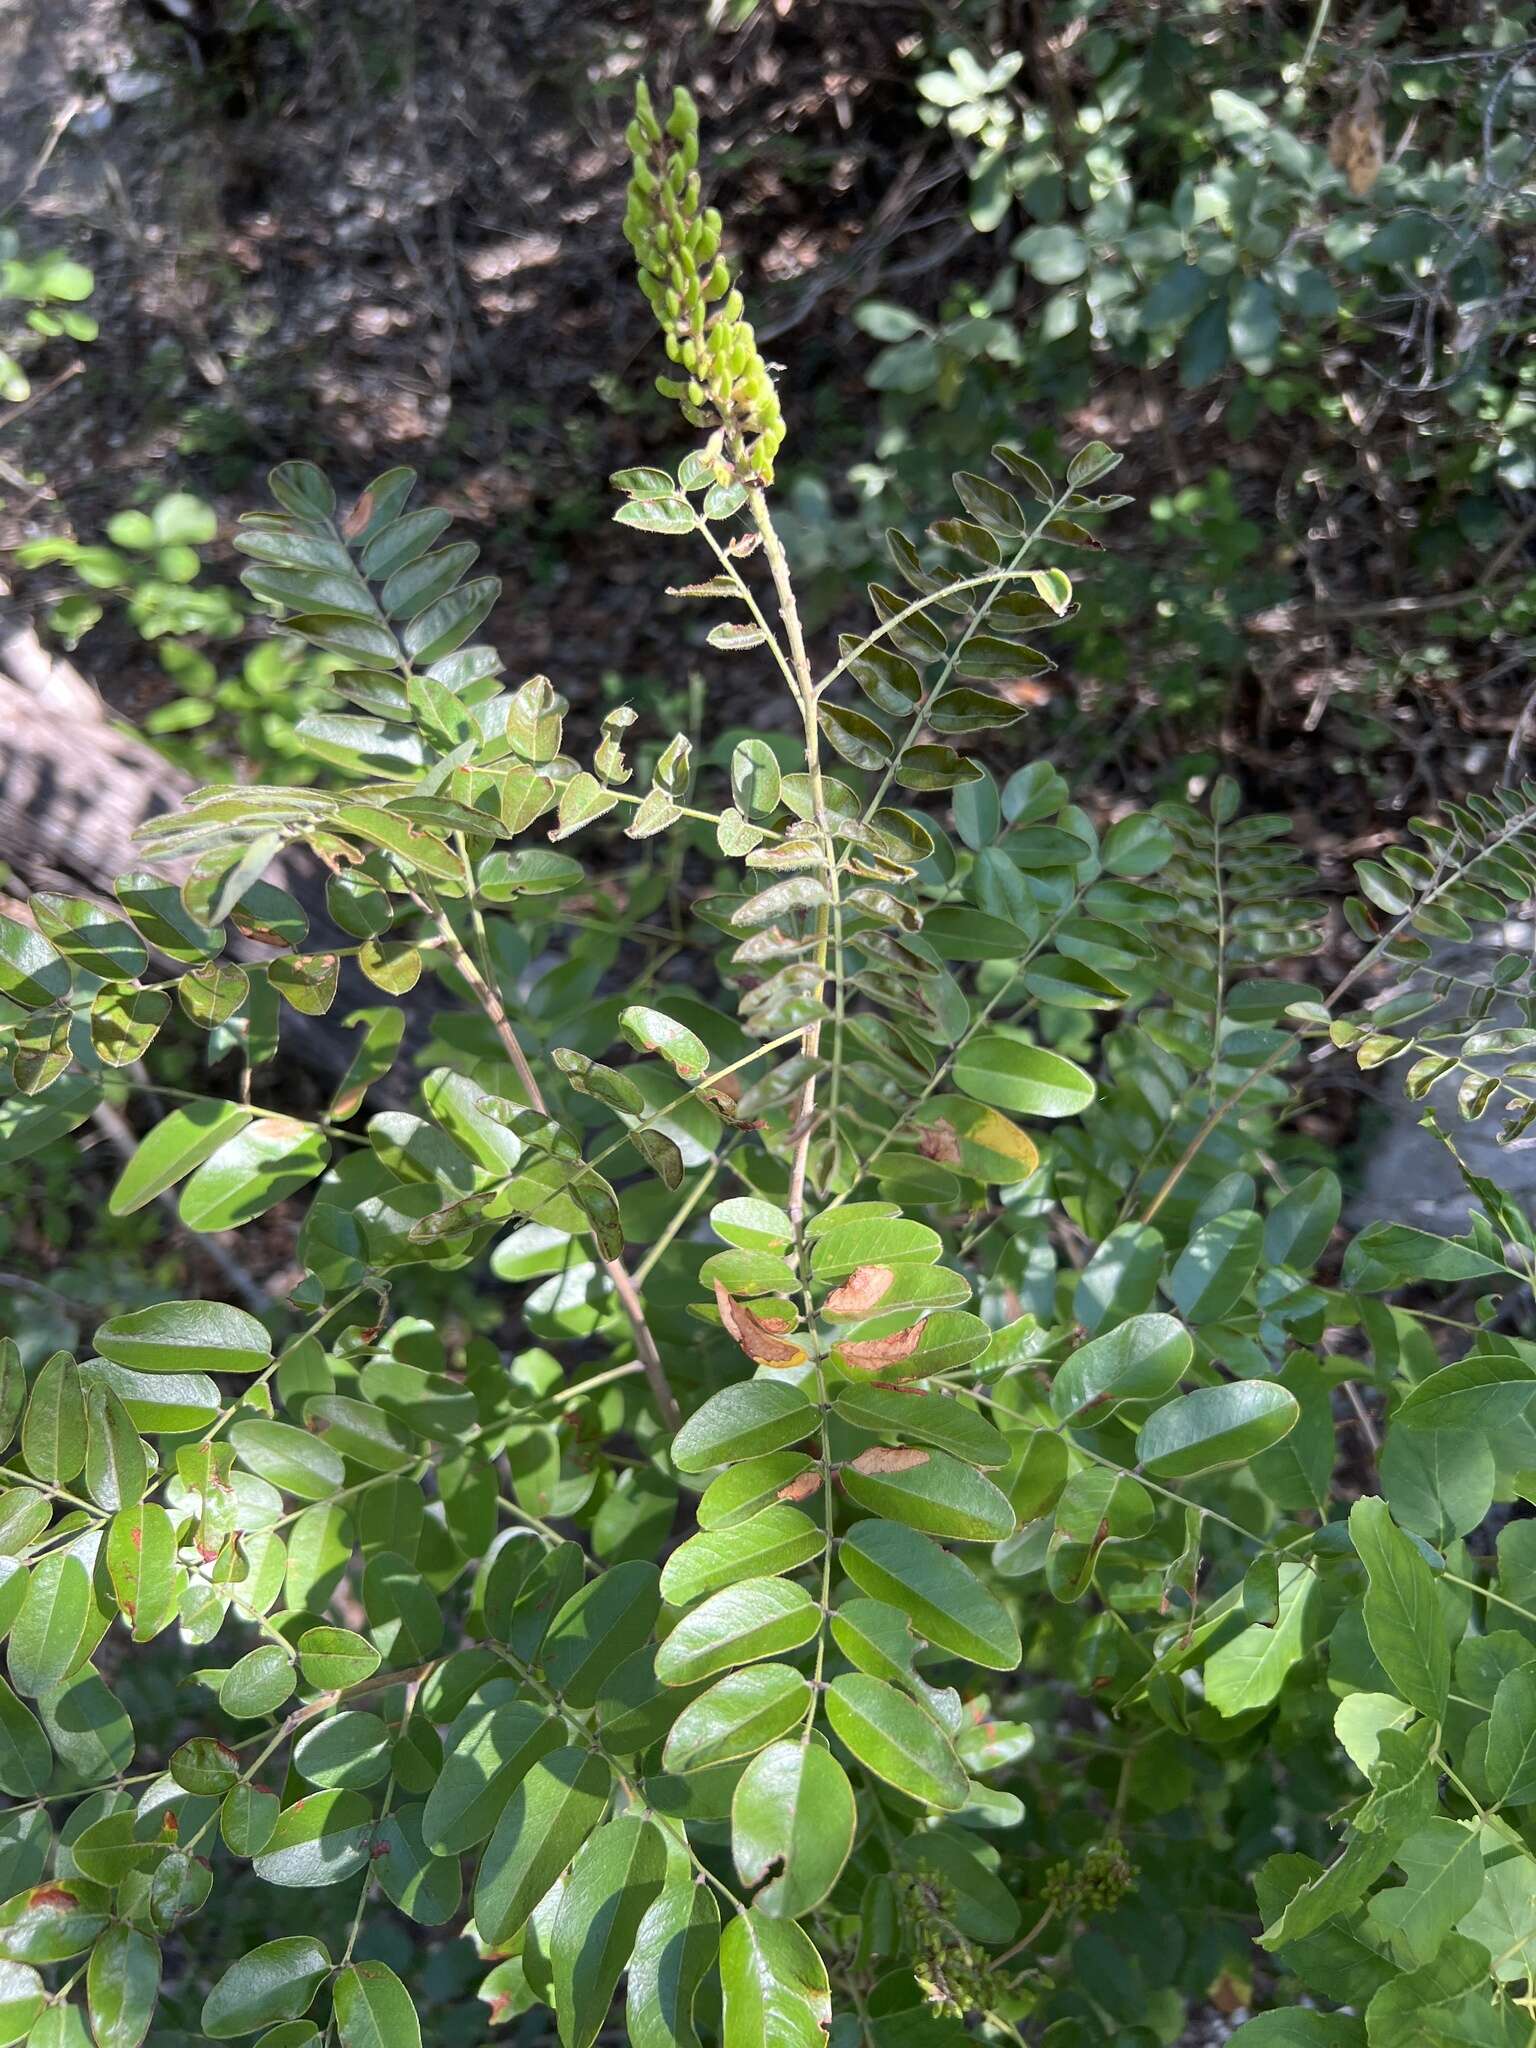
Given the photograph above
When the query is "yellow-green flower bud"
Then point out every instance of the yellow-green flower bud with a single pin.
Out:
(676, 243)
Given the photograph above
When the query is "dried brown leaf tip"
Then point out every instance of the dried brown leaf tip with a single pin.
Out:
(757, 1335)
(881, 1459)
(724, 1098)
(873, 1353)
(802, 1486)
(864, 1289)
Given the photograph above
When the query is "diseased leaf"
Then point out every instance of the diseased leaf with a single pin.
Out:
(757, 1335)
(792, 1828)
(864, 1289)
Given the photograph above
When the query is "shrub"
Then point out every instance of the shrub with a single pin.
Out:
(969, 1601)
(51, 287)
(1290, 246)
(148, 562)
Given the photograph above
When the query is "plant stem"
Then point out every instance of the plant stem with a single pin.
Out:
(805, 693)
(951, 661)
(1027, 1940)
(618, 1276)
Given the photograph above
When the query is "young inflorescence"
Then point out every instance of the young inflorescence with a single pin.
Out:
(677, 243)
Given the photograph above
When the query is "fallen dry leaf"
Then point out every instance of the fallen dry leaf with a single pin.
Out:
(860, 1292)
(757, 1335)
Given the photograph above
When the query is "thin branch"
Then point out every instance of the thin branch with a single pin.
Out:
(623, 1286)
(805, 692)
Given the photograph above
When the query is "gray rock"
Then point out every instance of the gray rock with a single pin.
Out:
(1408, 1176)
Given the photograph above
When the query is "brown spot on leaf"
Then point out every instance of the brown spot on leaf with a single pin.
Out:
(56, 1898)
(1226, 1994)
(757, 1335)
(883, 1458)
(724, 1107)
(872, 1353)
(802, 1486)
(865, 1287)
(939, 1142)
(359, 516)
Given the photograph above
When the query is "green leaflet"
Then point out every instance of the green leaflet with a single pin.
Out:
(893, 1737)
(736, 1716)
(1442, 1866)
(54, 1629)
(349, 1752)
(615, 1876)
(1210, 1274)
(758, 1618)
(598, 1628)
(1249, 1671)
(774, 1984)
(274, 1982)
(318, 1841)
(23, 1996)
(1402, 1613)
(792, 1827)
(1216, 1426)
(777, 1539)
(26, 1759)
(942, 1597)
(373, 2008)
(1011, 1074)
(551, 1812)
(1141, 1359)
(488, 1751)
(53, 1429)
(676, 1949)
(175, 1149)
(743, 1421)
(1509, 1759)
(122, 1985)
